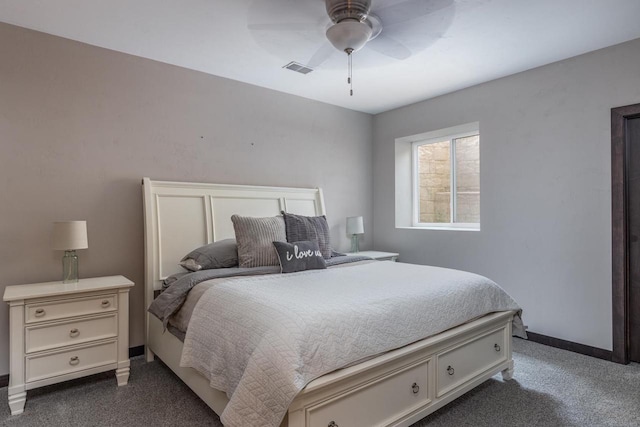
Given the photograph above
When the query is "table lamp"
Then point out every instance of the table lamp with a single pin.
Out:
(68, 236)
(355, 227)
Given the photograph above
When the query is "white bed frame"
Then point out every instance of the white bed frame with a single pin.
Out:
(396, 388)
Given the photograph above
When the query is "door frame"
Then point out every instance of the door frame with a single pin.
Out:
(619, 230)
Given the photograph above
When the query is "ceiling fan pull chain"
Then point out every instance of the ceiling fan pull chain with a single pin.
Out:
(350, 78)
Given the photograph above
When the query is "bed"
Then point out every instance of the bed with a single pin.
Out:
(397, 387)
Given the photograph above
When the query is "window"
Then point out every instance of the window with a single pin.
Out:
(439, 172)
(446, 177)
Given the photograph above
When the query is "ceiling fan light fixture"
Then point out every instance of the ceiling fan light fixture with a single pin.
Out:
(349, 35)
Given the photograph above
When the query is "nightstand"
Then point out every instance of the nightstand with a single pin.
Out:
(377, 255)
(61, 331)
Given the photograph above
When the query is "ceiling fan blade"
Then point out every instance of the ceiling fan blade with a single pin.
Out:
(389, 47)
(285, 26)
(321, 55)
(409, 10)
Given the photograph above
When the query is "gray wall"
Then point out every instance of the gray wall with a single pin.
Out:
(80, 126)
(545, 187)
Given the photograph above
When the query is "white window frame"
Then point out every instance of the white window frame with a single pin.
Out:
(415, 185)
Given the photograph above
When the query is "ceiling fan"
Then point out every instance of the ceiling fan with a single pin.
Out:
(356, 24)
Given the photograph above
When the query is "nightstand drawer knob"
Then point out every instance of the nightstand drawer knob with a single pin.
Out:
(74, 333)
(450, 370)
(105, 303)
(40, 312)
(496, 347)
(74, 361)
(415, 388)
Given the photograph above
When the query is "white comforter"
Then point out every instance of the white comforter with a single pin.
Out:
(262, 339)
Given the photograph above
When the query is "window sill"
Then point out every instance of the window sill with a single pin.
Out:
(443, 228)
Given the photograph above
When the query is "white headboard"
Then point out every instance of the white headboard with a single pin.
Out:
(181, 216)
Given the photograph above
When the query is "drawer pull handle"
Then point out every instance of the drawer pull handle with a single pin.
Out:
(415, 388)
(497, 347)
(40, 312)
(333, 424)
(74, 361)
(105, 303)
(450, 370)
(74, 333)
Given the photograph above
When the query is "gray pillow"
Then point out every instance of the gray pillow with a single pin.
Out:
(255, 237)
(299, 256)
(304, 228)
(220, 254)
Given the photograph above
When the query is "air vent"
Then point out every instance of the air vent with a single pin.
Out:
(298, 68)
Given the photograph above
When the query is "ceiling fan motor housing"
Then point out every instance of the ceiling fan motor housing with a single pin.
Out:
(339, 10)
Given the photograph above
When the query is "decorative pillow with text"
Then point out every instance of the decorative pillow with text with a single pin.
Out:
(299, 256)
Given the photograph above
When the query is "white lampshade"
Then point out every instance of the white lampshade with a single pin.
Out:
(355, 225)
(349, 34)
(69, 235)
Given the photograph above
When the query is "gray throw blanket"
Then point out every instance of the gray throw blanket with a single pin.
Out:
(172, 298)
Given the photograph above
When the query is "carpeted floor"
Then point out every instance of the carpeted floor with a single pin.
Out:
(551, 387)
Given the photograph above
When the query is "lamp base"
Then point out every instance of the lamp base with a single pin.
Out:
(69, 267)
(355, 243)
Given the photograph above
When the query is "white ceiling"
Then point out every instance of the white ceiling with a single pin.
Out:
(460, 44)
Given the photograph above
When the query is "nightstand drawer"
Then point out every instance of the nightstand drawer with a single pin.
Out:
(41, 366)
(48, 336)
(66, 308)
